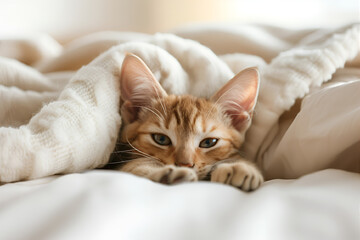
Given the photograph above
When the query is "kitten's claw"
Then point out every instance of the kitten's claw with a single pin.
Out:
(172, 175)
(242, 174)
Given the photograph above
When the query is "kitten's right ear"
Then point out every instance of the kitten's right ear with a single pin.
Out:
(238, 97)
(137, 86)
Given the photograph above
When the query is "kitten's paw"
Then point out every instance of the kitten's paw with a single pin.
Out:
(172, 174)
(242, 174)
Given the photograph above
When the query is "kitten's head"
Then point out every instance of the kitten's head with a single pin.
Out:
(184, 130)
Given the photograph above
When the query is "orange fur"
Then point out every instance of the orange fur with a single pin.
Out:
(193, 120)
(186, 121)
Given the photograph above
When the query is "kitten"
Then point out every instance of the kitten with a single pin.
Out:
(173, 139)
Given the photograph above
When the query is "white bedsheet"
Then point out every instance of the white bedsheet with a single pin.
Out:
(103, 204)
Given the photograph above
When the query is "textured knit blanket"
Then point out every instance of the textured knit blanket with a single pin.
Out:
(59, 105)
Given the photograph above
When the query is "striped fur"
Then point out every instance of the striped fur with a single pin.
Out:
(187, 121)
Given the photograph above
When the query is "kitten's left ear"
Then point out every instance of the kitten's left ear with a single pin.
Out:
(138, 86)
(238, 97)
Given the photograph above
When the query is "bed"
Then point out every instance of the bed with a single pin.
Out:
(59, 122)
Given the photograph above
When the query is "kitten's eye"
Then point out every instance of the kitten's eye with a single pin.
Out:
(208, 142)
(161, 139)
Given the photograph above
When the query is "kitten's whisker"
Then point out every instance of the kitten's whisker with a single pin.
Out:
(160, 117)
(154, 109)
(123, 151)
(158, 112)
(145, 154)
(164, 104)
(135, 153)
(158, 96)
(118, 162)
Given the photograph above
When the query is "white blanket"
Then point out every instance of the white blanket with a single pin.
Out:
(59, 117)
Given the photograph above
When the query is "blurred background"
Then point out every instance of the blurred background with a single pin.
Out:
(68, 19)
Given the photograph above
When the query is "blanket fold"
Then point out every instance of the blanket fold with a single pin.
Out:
(55, 122)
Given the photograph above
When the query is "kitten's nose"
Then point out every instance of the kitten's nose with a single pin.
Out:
(189, 165)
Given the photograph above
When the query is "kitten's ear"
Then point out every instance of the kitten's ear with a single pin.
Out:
(137, 86)
(238, 97)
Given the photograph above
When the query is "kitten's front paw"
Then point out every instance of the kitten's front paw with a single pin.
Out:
(242, 174)
(171, 174)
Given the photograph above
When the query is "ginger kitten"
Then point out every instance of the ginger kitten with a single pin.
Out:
(172, 139)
